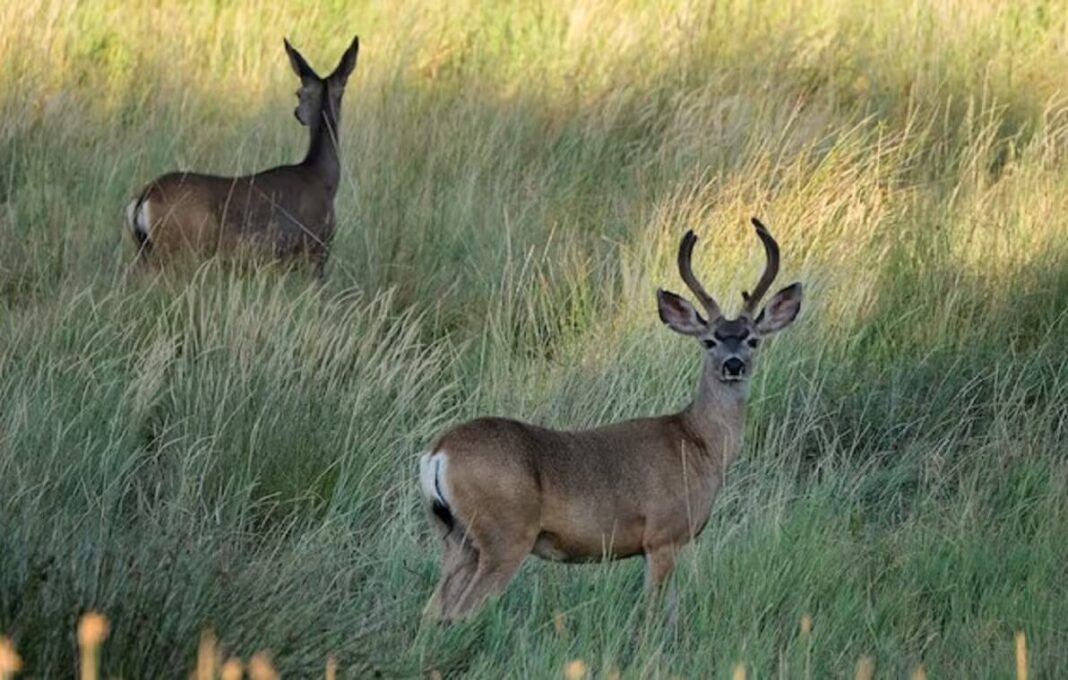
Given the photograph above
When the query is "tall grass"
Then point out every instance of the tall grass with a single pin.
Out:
(235, 450)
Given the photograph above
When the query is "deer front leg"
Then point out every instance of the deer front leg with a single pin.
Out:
(318, 254)
(659, 565)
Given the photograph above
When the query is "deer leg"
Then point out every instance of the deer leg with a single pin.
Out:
(320, 265)
(502, 547)
(492, 575)
(659, 565)
(449, 561)
(459, 580)
(458, 565)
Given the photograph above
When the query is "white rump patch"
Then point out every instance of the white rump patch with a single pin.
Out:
(432, 476)
(129, 213)
(138, 218)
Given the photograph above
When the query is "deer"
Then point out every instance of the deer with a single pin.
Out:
(287, 209)
(497, 490)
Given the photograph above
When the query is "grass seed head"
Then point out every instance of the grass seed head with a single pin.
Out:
(232, 669)
(865, 668)
(261, 668)
(1021, 656)
(576, 669)
(10, 661)
(93, 628)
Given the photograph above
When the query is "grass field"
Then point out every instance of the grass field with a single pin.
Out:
(236, 450)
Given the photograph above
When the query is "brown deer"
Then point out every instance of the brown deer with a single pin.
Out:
(499, 489)
(288, 209)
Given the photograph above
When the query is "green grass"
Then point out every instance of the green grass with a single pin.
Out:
(237, 450)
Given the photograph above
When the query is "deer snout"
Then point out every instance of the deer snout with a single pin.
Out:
(733, 369)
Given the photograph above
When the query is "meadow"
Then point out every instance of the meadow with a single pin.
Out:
(235, 449)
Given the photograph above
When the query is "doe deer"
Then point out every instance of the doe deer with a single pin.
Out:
(289, 209)
(499, 489)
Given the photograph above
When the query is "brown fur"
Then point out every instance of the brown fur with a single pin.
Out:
(286, 209)
(639, 487)
(284, 212)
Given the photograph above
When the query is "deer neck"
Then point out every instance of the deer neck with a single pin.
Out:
(717, 415)
(322, 156)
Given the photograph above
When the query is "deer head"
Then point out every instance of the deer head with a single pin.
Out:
(319, 95)
(730, 345)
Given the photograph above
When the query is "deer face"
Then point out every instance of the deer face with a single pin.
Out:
(730, 345)
(315, 92)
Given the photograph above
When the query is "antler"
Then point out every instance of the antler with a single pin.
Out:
(771, 269)
(686, 271)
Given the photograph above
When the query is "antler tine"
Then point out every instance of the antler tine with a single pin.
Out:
(686, 271)
(771, 269)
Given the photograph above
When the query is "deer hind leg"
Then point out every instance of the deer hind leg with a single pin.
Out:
(501, 551)
(492, 575)
(458, 564)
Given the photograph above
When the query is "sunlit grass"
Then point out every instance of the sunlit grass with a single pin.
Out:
(234, 450)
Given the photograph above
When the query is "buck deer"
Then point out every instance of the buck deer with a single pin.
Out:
(289, 208)
(499, 489)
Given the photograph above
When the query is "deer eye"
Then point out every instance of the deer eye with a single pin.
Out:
(709, 343)
(753, 342)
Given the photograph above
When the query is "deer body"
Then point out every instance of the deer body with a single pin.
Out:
(500, 489)
(614, 491)
(287, 210)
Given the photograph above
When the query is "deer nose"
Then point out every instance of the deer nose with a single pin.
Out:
(733, 368)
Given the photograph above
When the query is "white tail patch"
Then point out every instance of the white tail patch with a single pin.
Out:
(138, 219)
(432, 468)
(131, 214)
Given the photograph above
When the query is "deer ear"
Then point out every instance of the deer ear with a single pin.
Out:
(780, 311)
(347, 65)
(678, 314)
(296, 60)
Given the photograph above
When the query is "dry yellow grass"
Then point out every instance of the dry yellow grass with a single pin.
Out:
(93, 629)
(232, 669)
(516, 176)
(10, 661)
(576, 669)
(206, 656)
(261, 668)
(865, 668)
(1021, 656)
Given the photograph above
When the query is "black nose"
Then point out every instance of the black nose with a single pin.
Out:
(734, 367)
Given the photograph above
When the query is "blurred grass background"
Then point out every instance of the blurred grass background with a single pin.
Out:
(237, 450)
